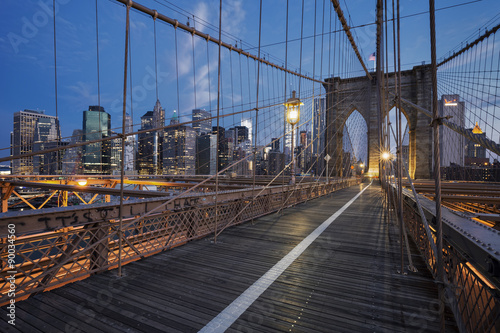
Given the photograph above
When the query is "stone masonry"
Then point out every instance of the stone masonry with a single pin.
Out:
(346, 95)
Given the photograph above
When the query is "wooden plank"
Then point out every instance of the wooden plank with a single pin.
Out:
(346, 280)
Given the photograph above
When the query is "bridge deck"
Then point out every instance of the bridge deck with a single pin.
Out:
(345, 281)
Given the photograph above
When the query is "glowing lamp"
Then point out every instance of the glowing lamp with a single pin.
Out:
(386, 155)
(82, 182)
(293, 109)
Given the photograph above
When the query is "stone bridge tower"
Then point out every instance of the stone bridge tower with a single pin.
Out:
(346, 95)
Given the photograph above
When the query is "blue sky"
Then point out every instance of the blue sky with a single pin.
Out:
(27, 54)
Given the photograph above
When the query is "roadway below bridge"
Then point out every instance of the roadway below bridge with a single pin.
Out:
(327, 265)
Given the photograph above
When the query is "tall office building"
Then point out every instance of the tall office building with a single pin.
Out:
(318, 125)
(179, 155)
(222, 148)
(23, 136)
(45, 137)
(72, 159)
(452, 144)
(202, 123)
(116, 155)
(205, 154)
(146, 150)
(318, 135)
(97, 155)
(475, 154)
(159, 122)
(248, 124)
(130, 145)
(242, 133)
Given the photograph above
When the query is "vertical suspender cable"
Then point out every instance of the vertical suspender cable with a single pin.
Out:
(131, 80)
(156, 61)
(386, 137)
(320, 104)
(379, 81)
(400, 142)
(122, 171)
(194, 65)
(256, 107)
(97, 42)
(218, 128)
(437, 163)
(58, 129)
(301, 38)
(284, 116)
(208, 77)
(300, 61)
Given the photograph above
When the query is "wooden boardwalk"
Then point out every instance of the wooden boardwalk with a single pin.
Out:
(345, 281)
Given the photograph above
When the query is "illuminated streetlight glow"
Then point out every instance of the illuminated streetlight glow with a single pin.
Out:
(82, 182)
(292, 117)
(386, 155)
(293, 109)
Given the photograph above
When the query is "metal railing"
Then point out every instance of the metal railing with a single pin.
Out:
(49, 260)
(474, 301)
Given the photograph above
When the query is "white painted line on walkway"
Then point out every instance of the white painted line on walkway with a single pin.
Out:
(232, 312)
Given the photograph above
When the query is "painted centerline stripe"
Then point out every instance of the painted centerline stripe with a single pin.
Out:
(234, 310)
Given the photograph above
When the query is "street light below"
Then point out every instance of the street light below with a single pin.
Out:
(386, 155)
(292, 117)
(82, 182)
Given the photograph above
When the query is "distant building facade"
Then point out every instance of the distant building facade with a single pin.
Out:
(202, 123)
(96, 156)
(146, 149)
(31, 126)
(452, 143)
(179, 156)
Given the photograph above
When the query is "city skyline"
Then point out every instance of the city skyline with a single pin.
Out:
(28, 54)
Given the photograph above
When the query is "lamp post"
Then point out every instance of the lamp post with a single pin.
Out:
(292, 117)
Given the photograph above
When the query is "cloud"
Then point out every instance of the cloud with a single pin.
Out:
(233, 15)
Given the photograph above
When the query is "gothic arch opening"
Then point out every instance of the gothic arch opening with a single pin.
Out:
(354, 144)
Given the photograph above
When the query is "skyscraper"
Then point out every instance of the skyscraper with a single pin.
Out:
(248, 124)
(159, 122)
(46, 137)
(130, 144)
(23, 136)
(318, 125)
(203, 154)
(318, 134)
(222, 148)
(242, 134)
(96, 156)
(452, 144)
(179, 155)
(146, 150)
(475, 154)
(202, 123)
(72, 159)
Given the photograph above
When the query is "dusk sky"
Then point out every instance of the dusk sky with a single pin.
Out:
(27, 49)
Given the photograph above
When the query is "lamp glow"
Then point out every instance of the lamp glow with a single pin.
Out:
(386, 155)
(293, 109)
(82, 182)
(292, 117)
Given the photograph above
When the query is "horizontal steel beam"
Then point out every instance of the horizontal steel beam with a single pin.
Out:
(477, 242)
